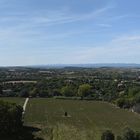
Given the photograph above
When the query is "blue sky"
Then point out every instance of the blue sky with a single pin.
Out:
(69, 31)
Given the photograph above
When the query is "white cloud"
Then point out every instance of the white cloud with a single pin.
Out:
(105, 25)
(118, 50)
(49, 18)
(127, 38)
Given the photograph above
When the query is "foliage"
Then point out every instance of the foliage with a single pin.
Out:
(33, 92)
(1, 92)
(107, 135)
(124, 102)
(24, 93)
(67, 91)
(84, 90)
(10, 118)
(129, 134)
(118, 85)
(137, 98)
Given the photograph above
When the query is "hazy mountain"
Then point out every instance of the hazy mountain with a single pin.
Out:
(98, 65)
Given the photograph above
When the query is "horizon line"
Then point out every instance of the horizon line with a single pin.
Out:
(57, 64)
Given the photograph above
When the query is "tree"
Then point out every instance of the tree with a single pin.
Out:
(24, 93)
(67, 91)
(1, 91)
(137, 135)
(10, 118)
(132, 91)
(107, 135)
(56, 92)
(43, 93)
(128, 134)
(84, 90)
(137, 98)
(33, 93)
(119, 138)
(120, 102)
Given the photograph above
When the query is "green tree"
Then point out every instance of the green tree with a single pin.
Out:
(137, 135)
(67, 91)
(128, 134)
(137, 98)
(43, 93)
(1, 91)
(119, 138)
(33, 92)
(24, 93)
(120, 102)
(10, 118)
(107, 135)
(84, 90)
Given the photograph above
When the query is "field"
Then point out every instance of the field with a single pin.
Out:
(86, 119)
(19, 101)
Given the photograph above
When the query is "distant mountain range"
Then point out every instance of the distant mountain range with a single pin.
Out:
(98, 65)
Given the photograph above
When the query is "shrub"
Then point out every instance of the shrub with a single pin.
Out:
(10, 118)
(107, 135)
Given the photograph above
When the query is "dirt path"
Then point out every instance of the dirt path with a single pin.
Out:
(25, 104)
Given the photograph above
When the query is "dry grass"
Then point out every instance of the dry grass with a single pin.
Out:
(88, 119)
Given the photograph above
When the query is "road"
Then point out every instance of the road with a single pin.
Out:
(25, 104)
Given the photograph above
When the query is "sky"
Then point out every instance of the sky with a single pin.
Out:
(40, 32)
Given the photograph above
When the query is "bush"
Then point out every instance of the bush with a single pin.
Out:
(84, 90)
(10, 118)
(137, 98)
(67, 91)
(108, 135)
(119, 138)
(120, 102)
(124, 103)
(24, 93)
(129, 134)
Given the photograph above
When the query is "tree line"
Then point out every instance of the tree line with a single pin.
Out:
(127, 134)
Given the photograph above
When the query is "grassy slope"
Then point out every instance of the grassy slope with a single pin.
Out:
(88, 119)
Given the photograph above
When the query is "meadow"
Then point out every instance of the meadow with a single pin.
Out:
(19, 101)
(86, 119)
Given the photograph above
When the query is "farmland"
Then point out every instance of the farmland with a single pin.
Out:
(86, 119)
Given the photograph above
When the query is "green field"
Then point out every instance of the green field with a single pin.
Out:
(86, 121)
(19, 101)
